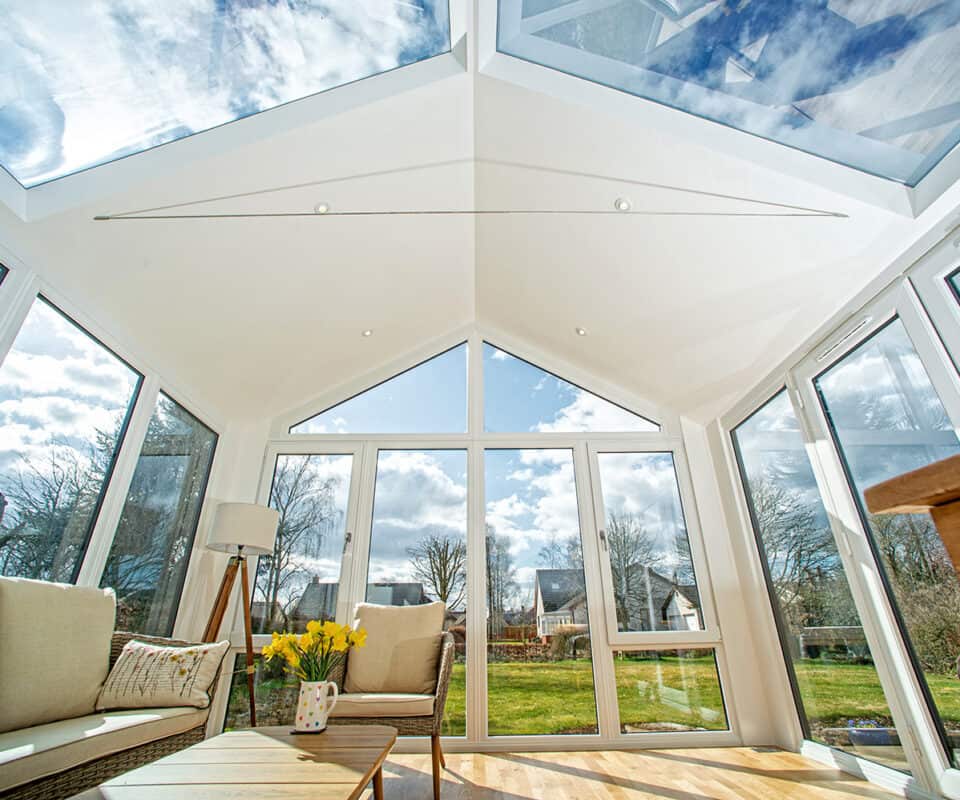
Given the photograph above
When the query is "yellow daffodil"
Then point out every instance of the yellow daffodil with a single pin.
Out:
(358, 638)
(313, 654)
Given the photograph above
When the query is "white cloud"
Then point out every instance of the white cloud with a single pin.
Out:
(588, 412)
(158, 72)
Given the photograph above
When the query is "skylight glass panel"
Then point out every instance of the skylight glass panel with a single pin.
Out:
(519, 397)
(428, 398)
(117, 77)
(875, 86)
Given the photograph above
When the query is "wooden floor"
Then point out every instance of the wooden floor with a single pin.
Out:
(735, 772)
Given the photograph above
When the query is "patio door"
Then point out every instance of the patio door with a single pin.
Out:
(661, 627)
(883, 398)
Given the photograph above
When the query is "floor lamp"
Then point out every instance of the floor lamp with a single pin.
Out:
(242, 529)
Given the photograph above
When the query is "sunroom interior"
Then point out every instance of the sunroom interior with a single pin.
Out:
(595, 321)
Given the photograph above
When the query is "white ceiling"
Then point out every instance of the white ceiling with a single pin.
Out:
(253, 316)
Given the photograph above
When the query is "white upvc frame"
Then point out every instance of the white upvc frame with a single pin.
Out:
(710, 634)
(914, 720)
(474, 442)
(932, 773)
(930, 281)
(18, 292)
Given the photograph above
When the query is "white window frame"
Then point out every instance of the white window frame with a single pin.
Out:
(18, 292)
(929, 280)
(931, 771)
(710, 634)
(475, 441)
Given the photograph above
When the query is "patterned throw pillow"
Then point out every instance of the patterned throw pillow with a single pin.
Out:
(150, 676)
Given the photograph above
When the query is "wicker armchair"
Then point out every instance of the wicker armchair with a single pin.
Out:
(413, 726)
(86, 776)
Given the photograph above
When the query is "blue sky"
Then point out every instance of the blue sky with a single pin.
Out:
(119, 76)
(432, 398)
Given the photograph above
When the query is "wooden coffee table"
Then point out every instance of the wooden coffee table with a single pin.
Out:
(263, 763)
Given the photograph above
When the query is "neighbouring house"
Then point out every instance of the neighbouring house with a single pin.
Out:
(649, 601)
(318, 601)
(560, 600)
(263, 613)
(396, 593)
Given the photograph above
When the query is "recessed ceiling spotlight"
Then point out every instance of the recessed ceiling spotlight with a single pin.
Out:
(621, 204)
(580, 331)
(368, 332)
(321, 208)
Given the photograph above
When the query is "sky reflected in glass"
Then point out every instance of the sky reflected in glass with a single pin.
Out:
(117, 77)
(875, 86)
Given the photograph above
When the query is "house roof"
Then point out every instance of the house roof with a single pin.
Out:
(558, 587)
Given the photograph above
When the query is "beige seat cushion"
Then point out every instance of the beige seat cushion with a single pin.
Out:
(384, 705)
(32, 753)
(403, 644)
(56, 650)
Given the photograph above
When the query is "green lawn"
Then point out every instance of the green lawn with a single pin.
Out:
(834, 693)
(558, 696)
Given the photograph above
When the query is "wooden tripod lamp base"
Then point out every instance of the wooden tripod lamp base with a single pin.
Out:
(242, 529)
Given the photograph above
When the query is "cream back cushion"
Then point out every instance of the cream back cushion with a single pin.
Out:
(55, 650)
(152, 676)
(403, 645)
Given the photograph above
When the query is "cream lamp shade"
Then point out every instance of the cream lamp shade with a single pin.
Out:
(246, 525)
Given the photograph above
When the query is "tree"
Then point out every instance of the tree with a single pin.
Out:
(633, 550)
(305, 504)
(501, 580)
(563, 553)
(439, 562)
(50, 505)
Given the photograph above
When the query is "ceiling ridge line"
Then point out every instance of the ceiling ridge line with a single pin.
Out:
(654, 185)
(306, 184)
(498, 162)
(464, 212)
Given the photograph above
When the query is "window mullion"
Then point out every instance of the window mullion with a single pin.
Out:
(20, 289)
(605, 685)
(105, 528)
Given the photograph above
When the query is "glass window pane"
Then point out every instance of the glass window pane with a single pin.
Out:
(64, 402)
(418, 547)
(151, 549)
(3, 272)
(647, 545)
(158, 73)
(300, 581)
(428, 398)
(871, 85)
(539, 665)
(275, 690)
(520, 397)
(953, 281)
(887, 419)
(836, 683)
(668, 690)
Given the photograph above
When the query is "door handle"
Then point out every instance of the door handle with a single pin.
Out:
(603, 538)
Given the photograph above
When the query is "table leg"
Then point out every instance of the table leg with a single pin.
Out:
(378, 784)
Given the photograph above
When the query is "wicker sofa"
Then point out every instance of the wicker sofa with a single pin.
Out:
(61, 757)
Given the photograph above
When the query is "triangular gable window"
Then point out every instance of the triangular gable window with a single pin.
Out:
(519, 397)
(428, 398)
